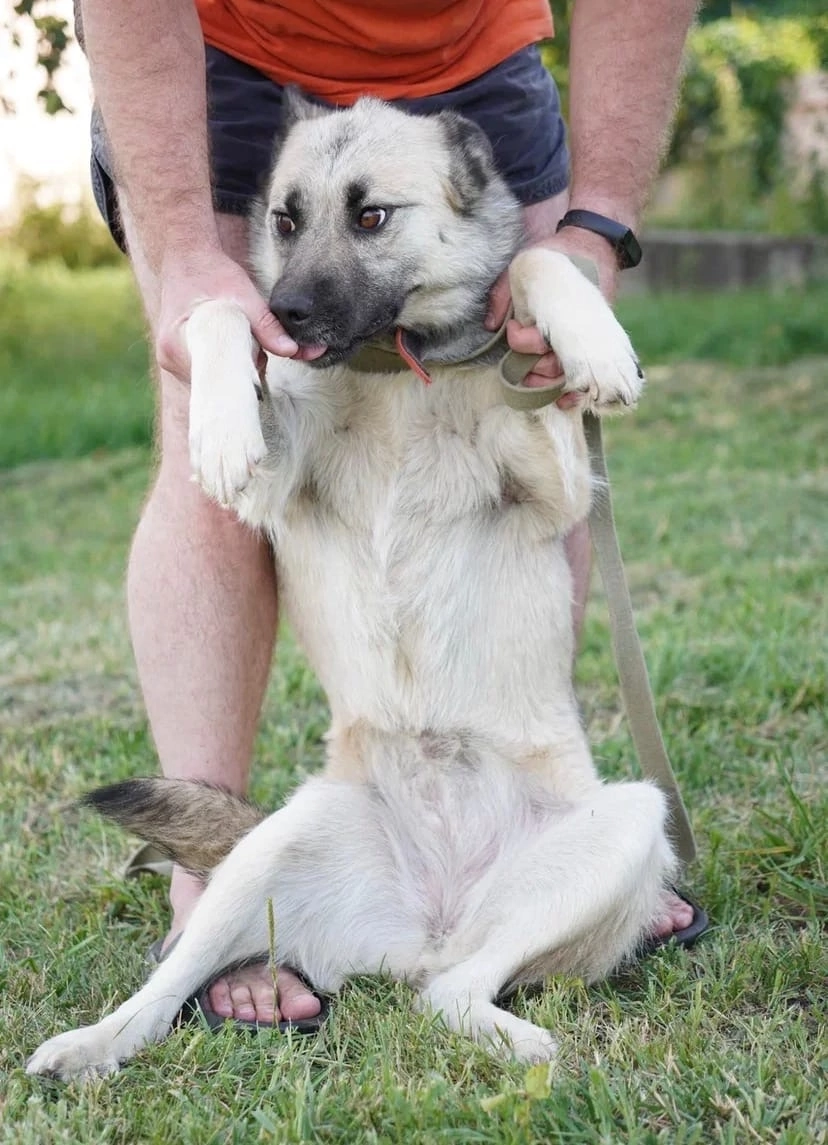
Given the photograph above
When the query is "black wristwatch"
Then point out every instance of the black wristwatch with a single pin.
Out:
(626, 245)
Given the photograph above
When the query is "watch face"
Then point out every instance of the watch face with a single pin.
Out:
(629, 251)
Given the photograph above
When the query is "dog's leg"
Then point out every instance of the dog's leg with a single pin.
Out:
(575, 901)
(577, 322)
(226, 439)
(229, 924)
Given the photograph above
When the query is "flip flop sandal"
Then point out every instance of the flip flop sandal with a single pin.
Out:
(148, 859)
(198, 1004)
(686, 937)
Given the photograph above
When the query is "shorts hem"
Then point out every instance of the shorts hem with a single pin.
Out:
(228, 203)
(539, 190)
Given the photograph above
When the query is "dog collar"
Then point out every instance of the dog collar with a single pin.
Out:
(393, 355)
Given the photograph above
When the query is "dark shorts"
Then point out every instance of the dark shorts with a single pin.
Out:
(516, 104)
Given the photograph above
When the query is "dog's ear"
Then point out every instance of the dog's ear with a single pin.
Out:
(296, 107)
(472, 164)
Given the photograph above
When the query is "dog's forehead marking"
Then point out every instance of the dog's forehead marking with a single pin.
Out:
(293, 202)
(356, 194)
(369, 143)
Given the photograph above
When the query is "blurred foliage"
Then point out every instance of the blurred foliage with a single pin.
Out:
(729, 129)
(57, 232)
(53, 36)
(729, 126)
(737, 86)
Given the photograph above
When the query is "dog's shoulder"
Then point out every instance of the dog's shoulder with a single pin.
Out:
(365, 445)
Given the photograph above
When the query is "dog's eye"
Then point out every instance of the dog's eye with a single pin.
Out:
(283, 223)
(372, 218)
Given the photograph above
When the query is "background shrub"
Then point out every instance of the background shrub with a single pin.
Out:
(728, 134)
(57, 232)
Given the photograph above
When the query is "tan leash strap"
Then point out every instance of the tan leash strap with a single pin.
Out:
(629, 658)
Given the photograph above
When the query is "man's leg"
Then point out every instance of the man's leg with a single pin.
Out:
(202, 603)
(540, 220)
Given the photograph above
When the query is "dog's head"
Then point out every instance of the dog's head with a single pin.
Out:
(373, 218)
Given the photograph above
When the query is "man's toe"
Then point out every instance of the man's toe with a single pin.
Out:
(220, 998)
(680, 912)
(295, 999)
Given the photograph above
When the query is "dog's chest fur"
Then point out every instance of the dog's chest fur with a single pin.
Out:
(413, 525)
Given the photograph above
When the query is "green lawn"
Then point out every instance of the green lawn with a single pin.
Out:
(720, 484)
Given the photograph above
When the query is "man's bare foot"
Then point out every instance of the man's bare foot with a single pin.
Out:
(675, 914)
(248, 992)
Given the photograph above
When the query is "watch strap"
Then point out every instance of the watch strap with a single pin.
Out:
(621, 238)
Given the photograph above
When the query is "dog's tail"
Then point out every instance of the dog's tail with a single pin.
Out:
(195, 824)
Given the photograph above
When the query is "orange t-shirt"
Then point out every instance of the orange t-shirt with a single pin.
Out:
(341, 49)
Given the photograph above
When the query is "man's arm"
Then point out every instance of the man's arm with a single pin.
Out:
(624, 69)
(147, 63)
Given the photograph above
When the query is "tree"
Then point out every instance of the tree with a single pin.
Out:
(53, 37)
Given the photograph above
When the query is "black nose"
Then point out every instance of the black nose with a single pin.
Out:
(292, 307)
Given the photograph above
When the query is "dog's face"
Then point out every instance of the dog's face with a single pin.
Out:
(375, 219)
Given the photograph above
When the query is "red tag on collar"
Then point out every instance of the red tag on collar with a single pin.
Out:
(409, 359)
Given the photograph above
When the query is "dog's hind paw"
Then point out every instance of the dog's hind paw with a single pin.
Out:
(500, 1031)
(522, 1041)
(79, 1055)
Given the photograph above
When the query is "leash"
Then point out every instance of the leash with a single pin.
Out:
(629, 657)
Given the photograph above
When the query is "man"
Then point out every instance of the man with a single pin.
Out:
(201, 589)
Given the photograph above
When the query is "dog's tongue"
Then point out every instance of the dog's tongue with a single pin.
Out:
(309, 353)
(409, 357)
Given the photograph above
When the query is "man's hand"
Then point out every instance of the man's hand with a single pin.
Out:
(210, 275)
(528, 339)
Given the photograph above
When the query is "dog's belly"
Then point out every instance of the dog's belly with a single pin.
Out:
(469, 630)
(445, 817)
(453, 825)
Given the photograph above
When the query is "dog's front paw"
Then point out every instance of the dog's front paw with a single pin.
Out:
(78, 1055)
(226, 440)
(575, 319)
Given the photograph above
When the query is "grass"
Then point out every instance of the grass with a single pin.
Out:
(73, 346)
(720, 486)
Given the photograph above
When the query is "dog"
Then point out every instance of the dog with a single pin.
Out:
(459, 837)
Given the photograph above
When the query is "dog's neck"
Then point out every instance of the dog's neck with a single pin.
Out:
(422, 347)
(453, 342)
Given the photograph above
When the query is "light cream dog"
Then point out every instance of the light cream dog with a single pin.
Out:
(459, 837)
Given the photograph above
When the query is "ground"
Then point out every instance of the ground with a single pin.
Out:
(720, 487)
